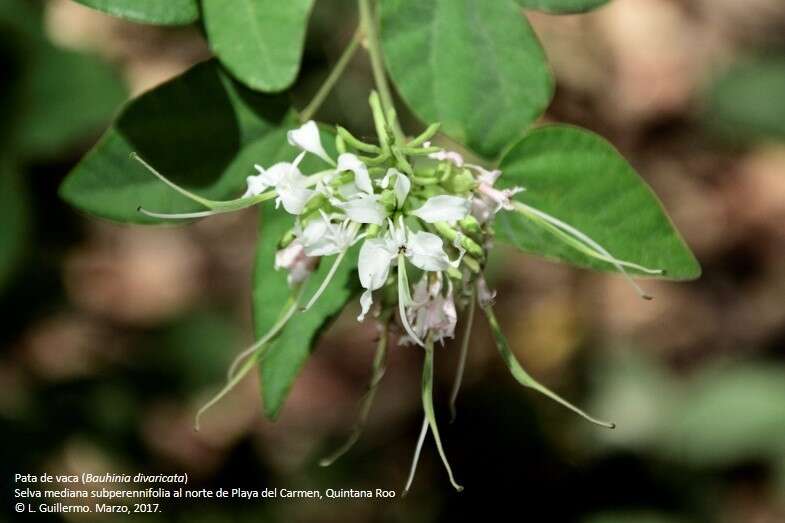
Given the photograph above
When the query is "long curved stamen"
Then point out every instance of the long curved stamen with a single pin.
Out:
(216, 207)
(416, 458)
(521, 207)
(178, 216)
(252, 353)
(427, 403)
(523, 377)
(467, 334)
(185, 192)
(365, 408)
(231, 384)
(405, 299)
(273, 332)
(591, 252)
(326, 281)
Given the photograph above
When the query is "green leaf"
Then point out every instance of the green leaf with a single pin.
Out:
(562, 6)
(473, 65)
(13, 222)
(203, 130)
(746, 102)
(728, 416)
(579, 178)
(159, 12)
(288, 353)
(59, 113)
(259, 41)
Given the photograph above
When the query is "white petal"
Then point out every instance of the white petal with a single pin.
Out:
(443, 208)
(402, 187)
(373, 263)
(366, 300)
(294, 198)
(425, 251)
(307, 139)
(316, 240)
(350, 162)
(365, 209)
(256, 186)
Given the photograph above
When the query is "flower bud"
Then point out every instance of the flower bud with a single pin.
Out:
(387, 199)
(462, 182)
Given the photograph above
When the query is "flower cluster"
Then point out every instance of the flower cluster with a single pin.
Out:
(412, 208)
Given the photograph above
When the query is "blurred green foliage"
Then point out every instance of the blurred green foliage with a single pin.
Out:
(746, 102)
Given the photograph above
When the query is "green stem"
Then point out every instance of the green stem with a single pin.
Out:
(332, 78)
(369, 27)
(365, 407)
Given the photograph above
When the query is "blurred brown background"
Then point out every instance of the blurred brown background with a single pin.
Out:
(113, 336)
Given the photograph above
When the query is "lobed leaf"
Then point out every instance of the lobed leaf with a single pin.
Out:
(203, 130)
(159, 12)
(579, 178)
(473, 65)
(259, 41)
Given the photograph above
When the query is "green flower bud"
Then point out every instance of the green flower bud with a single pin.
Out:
(470, 226)
(287, 239)
(462, 182)
(387, 198)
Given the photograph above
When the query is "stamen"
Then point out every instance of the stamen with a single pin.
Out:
(273, 332)
(427, 403)
(603, 254)
(367, 401)
(467, 334)
(523, 377)
(405, 299)
(185, 192)
(224, 391)
(416, 459)
(326, 281)
(178, 216)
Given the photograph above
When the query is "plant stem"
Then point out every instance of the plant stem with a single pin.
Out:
(332, 78)
(369, 26)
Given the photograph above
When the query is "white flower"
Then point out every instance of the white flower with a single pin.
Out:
(307, 139)
(447, 156)
(426, 251)
(362, 205)
(490, 200)
(350, 162)
(402, 185)
(287, 180)
(322, 237)
(423, 249)
(293, 259)
(443, 208)
(431, 311)
(364, 208)
(373, 267)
